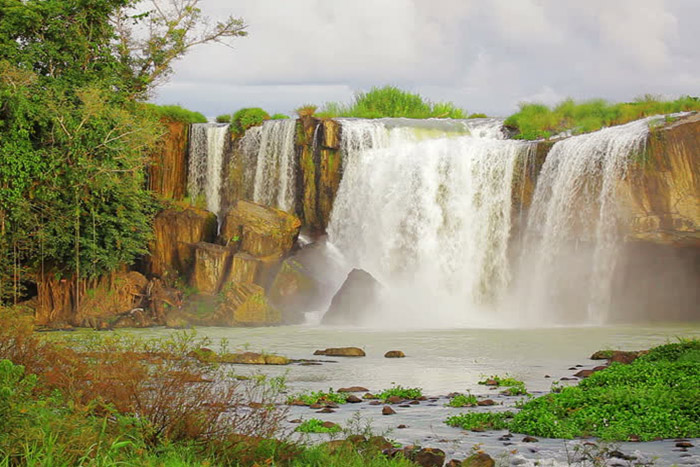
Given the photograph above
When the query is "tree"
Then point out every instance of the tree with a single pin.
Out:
(74, 138)
(150, 41)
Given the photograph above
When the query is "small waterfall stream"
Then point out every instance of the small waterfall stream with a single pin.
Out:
(207, 142)
(572, 238)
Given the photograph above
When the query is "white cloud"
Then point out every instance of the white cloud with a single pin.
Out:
(484, 56)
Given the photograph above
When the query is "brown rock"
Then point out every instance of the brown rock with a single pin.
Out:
(276, 360)
(453, 463)
(175, 231)
(167, 169)
(479, 459)
(261, 231)
(369, 396)
(244, 304)
(353, 389)
(584, 373)
(326, 410)
(386, 410)
(341, 352)
(246, 358)
(530, 439)
(684, 444)
(394, 400)
(402, 426)
(211, 266)
(330, 425)
(353, 399)
(379, 443)
(355, 300)
(293, 290)
(375, 402)
(429, 457)
(485, 402)
(394, 354)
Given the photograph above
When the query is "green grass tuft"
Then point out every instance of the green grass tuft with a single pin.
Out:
(402, 392)
(314, 425)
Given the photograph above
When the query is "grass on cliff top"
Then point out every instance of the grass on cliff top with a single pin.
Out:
(537, 121)
(176, 113)
(391, 101)
(656, 396)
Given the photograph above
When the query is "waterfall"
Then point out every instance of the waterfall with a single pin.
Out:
(571, 241)
(207, 141)
(275, 169)
(427, 211)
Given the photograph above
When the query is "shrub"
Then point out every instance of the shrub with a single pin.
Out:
(391, 101)
(279, 117)
(314, 425)
(246, 118)
(463, 400)
(402, 392)
(176, 113)
(319, 397)
(537, 121)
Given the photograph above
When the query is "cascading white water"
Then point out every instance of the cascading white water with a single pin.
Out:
(429, 218)
(572, 239)
(207, 141)
(275, 180)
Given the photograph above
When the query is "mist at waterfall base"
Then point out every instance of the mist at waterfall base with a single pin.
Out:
(433, 210)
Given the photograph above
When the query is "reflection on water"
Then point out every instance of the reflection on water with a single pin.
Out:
(439, 361)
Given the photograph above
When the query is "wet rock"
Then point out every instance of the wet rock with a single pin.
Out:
(394, 399)
(491, 382)
(547, 376)
(486, 402)
(429, 457)
(684, 444)
(353, 389)
(375, 402)
(386, 410)
(356, 439)
(599, 367)
(405, 406)
(414, 402)
(315, 406)
(341, 352)
(564, 378)
(394, 354)
(584, 373)
(355, 300)
(530, 439)
(380, 443)
(453, 463)
(294, 290)
(353, 399)
(330, 425)
(243, 305)
(211, 265)
(402, 426)
(369, 396)
(479, 459)
(296, 420)
(276, 360)
(326, 410)
(620, 455)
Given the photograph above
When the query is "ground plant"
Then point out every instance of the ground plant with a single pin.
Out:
(314, 425)
(402, 392)
(653, 397)
(319, 397)
(538, 121)
(463, 400)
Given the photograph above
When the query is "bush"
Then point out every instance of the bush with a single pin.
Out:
(537, 121)
(402, 392)
(279, 117)
(246, 118)
(463, 400)
(391, 101)
(319, 397)
(314, 425)
(177, 113)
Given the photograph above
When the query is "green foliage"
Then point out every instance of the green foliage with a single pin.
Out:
(224, 118)
(537, 121)
(478, 115)
(391, 101)
(402, 392)
(176, 113)
(481, 420)
(463, 400)
(656, 396)
(318, 397)
(314, 425)
(279, 117)
(503, 381)
(246, 118)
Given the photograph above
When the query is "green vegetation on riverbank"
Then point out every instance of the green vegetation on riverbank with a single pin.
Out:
(537, 121)
(111, 400)
(656, 396)
(390, 101)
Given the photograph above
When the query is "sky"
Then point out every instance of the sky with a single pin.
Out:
(483, 55)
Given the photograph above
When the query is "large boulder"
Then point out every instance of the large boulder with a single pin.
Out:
(212, 264)
(259, 230)
(245, 305)
(175, 233)
(355, 301)
(294, 291)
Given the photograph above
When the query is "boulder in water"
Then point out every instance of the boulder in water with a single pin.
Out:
(394, 354)
(355, 300)
(341, 352)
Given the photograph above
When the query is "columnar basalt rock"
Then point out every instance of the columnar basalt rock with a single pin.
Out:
(660, 193)
(212, 264)
(175, 231)
(167, 170)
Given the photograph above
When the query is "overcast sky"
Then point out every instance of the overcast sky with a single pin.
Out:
(483, 55)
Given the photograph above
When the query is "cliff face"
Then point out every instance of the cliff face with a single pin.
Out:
(167, 171)
(660, 196)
